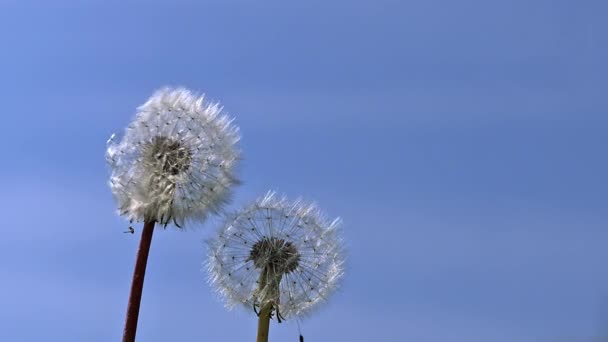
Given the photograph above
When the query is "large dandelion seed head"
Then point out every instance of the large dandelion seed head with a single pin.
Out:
(278, 252)
(176, 161)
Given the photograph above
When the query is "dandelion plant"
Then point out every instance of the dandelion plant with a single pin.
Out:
(175, 164)
(277, 258)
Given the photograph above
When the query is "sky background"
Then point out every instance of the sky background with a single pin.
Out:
(462, 142)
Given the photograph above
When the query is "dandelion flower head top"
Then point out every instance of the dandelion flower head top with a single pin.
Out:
(276, 252)
(176, 161)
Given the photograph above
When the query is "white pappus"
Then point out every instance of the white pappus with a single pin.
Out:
(176, 160)
(276, 252)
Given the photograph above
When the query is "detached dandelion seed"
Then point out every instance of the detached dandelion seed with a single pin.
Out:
(276, 258)
(175, 164)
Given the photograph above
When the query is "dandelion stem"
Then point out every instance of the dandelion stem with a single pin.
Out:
(264, 323)
(266, 313)
(137, 284)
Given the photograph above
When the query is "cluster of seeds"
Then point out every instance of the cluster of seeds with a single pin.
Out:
(176, 161)
(279, 252)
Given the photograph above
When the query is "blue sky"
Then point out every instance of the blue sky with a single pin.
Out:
(462, 142)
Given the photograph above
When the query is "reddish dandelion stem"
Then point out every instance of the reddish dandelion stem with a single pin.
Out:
(137, 285)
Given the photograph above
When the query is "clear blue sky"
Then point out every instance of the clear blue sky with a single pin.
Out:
(463, 143)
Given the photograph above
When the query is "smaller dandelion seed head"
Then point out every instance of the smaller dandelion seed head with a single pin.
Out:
(276, 251)
(176, 161)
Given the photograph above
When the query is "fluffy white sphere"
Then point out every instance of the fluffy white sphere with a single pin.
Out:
(176, 161)
(278, 252)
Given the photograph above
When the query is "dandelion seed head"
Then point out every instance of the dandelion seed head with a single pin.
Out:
(176, 160)
(276, 251)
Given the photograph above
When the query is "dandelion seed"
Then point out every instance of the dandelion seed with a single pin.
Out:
(111, 139)
(264, 258)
